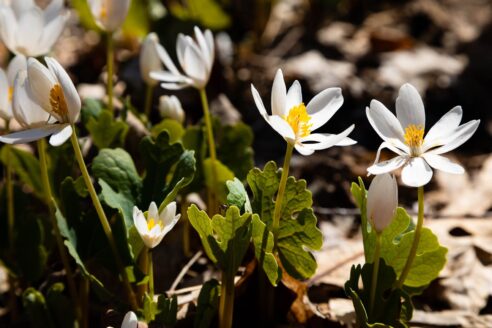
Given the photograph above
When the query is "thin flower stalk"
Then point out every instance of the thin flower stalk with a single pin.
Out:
(416, 238)
(72, 289)
(212, 192)
(10, 193)
(226, 302)
(103, 219)
(375, 272)
(151, 274)
(110, 69)
(280, 194)
(149, 95)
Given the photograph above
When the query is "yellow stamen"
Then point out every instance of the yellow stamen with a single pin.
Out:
(58, 102)
(152, 222)
(11, 93)
(414, 135)
(299, 119)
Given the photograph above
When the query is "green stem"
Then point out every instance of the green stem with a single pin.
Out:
(280, 194)
(103, 219)
(212, 206)
(186, 228)
(72, 289)
(143, 263)
(416, 239)
(110, 69)
(226, 305)
(149, 92)
(375, 272)
(151, 275)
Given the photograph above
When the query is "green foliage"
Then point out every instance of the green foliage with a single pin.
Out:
(208, 304)
(163, 311)
(25, 165)
(121, 185)
(208, 13)
(173, 128)
(225, 239)
(389, 310)
(396, 241)
(222, 175)
(298, 232)
(106, 131)
(264, 245)
(91, 108)
(238, 196)
(161, 184)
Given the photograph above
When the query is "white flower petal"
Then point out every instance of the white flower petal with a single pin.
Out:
(282, 127)
(166, 59)
(175, 86)
(416, 172)
(409, 107)
(211, 46)
(459, 137)
(279, 95)
(442, 163)
(26, 111)
(346, 142)
(53, 10)
(168, 77)
(59, 138)
(140, 222)
(170, 224)
(5, 107)
(168, 213)
(387, 166)
(153, 212)
(325, 141)
(51, 33)
(323, 106)
(443, 128)
(30, 134)
(202, 43)
(17, 64)
(258, 101)
(385, 124)
(8, 28)
(303, 150)
(69, 91)
(388, 145)
(194, 65)
(29, 33)
(20, 6)
(149, 58)
(41, 81)
(382, 201)
(130, 320)
(294, 96)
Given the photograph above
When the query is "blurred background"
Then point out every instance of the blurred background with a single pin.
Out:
(369, 48)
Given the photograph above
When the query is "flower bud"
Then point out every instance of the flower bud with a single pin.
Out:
(109, 14)
(382, 201)
(170, 107)
(149, 59)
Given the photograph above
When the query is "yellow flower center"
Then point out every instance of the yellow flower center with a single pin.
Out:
(11, 93)
(299, 119)
(58, 102)
(152, 222)
(104, 10)
(414, 136)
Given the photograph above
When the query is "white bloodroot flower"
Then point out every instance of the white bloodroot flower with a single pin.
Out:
(109, 14)
(196, 58)
(382, 201)
(19, 63)
(170, 107)
(45, 103)
(27, 29)
(404, 135)
(295, 122)
(129, 321)
(153, 228)
(149, 58)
